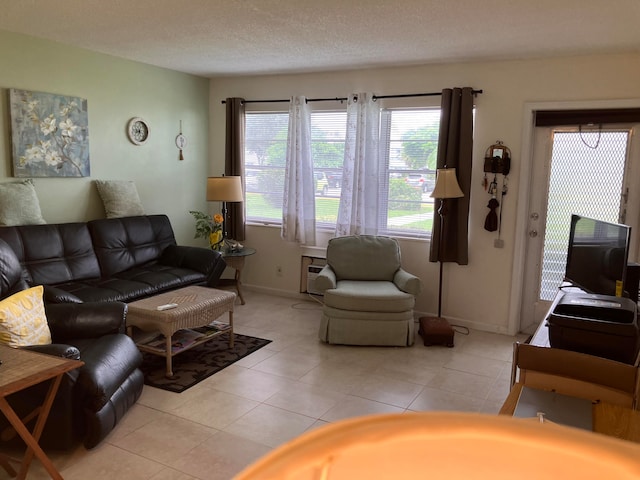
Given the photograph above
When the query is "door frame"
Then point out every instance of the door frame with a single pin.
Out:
(524, 192)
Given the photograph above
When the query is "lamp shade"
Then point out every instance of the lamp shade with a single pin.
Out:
(446, 184)
(224, 189)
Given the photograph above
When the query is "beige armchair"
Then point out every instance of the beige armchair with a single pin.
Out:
(368, 297)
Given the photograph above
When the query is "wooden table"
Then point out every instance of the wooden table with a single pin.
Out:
(608, 419)
(21, 369)
(196, 307)
(235, 260)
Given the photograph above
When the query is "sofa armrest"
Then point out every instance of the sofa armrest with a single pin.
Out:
(203, 260)
(85, 320)
(57, 295)
(407, 282)
(56, 349)
(326, 279)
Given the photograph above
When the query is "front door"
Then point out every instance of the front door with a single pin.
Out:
(587, 171)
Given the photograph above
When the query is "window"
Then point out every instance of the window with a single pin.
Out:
(265, 155)
(408, 148)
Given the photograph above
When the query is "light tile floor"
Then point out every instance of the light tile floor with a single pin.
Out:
(294, 384)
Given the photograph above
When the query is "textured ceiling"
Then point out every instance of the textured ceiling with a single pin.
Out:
(239, 37)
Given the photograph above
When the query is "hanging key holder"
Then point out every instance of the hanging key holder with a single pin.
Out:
(497, 159)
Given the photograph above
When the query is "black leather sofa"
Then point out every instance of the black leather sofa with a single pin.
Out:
(117, 259)
(89, 270)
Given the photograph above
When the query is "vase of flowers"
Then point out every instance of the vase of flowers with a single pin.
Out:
(209, 227)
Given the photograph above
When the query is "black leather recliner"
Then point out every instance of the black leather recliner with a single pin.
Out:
(94, 398)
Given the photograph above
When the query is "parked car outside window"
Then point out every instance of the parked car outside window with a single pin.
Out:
(322, 184)
(426, 182)
(334, 179)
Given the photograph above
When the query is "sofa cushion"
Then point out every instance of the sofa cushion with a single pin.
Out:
(54, 253)
(124, 243)
(369, 296)
(22, 319)
(19, 204)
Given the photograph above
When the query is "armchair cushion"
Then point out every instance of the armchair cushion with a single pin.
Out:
(370, 296)
(23, 320)
(350, 257)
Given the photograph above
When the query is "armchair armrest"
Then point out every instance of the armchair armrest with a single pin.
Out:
(85, 320)
(407, 282)
(203, 260)
(326, 279)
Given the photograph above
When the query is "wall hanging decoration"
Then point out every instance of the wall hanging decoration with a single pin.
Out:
(49, 134)
(181, 142)
(497, 161)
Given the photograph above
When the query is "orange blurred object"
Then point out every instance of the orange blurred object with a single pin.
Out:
(447, 445)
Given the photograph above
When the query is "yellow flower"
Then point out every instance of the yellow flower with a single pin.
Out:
(218, 218)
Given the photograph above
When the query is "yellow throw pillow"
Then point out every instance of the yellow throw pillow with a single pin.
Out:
(22, 319)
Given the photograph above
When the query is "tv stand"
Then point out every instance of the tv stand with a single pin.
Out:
(598, 337)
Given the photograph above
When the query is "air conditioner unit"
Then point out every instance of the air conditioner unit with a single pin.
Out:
(312, 273)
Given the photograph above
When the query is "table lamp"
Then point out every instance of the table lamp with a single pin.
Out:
(446, 187)
(224, 189)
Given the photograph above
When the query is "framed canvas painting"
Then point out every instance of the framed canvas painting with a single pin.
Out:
(49, 134)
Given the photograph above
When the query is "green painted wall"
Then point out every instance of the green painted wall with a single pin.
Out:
(116, 90)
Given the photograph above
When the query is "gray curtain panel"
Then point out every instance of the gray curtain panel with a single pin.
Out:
(234, 163)
(455, 146)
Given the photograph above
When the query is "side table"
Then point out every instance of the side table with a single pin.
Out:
(235, 260)
(21, 369)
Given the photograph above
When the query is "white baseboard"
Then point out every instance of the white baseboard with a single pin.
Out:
(473, 325)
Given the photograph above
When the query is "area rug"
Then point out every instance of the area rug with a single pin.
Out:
(194, 365)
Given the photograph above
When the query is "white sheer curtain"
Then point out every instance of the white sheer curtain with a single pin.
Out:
(299, 205)
(358, 211)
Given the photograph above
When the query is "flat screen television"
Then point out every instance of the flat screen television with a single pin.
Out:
(597, 255)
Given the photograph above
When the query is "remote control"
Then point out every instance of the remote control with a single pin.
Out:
(168, 306)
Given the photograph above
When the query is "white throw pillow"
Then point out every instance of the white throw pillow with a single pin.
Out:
(19, 204)
(120, 198)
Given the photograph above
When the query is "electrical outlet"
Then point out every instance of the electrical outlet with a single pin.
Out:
(498, 243)
(278, 270)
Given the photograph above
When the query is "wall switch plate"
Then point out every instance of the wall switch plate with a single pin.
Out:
(498, 243)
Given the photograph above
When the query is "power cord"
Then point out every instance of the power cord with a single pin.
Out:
(301, 306)
(461, 329)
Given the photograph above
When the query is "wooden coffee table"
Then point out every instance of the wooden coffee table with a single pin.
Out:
(21, 369)
(196, 307)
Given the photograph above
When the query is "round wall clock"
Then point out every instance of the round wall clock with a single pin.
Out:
(138, 130)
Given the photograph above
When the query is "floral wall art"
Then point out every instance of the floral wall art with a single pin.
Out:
(49, 134)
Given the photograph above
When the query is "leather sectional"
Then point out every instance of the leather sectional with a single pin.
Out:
(89, 271)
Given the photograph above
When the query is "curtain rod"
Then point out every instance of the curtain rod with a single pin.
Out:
(343, 99)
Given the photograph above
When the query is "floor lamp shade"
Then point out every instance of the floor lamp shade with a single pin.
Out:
(446, 184)
(224, 189)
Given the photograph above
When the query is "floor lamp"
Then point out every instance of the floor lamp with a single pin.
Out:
(224, 189)
(446, 187)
